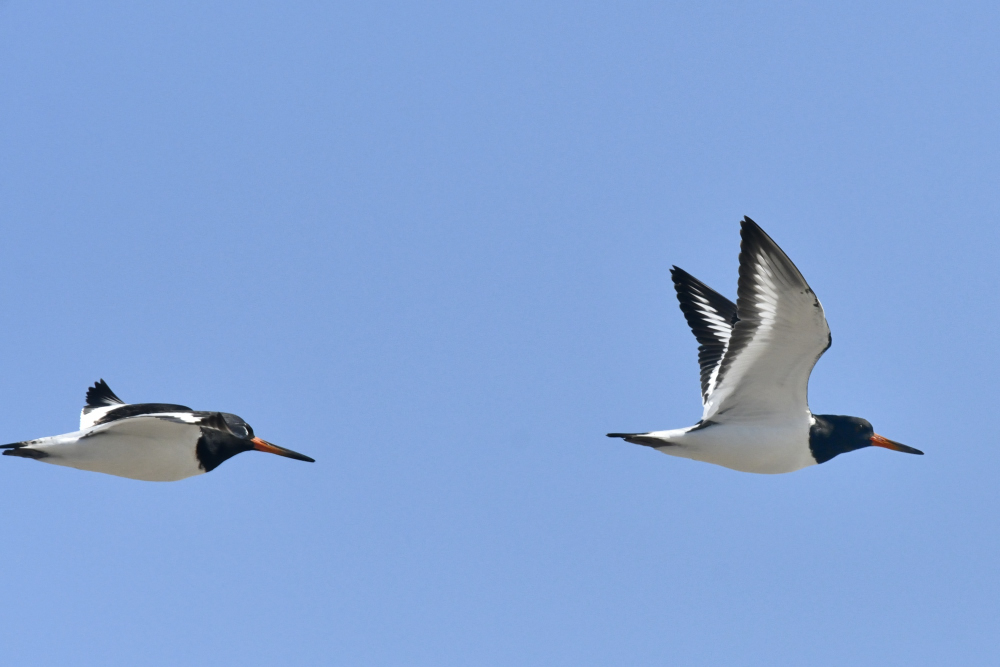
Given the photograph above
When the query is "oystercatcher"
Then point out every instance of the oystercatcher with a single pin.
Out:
(154, 442)
(756, 356)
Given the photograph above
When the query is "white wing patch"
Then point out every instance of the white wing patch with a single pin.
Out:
(90, 416)
(100, 401)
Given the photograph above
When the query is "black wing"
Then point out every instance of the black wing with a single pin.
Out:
(104, 407)
(711, 317)
(138, 409)
(100, 396)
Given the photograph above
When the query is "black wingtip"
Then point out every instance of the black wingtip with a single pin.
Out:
(623, 435)
(100, 395)
(750, 229)
(679, 275)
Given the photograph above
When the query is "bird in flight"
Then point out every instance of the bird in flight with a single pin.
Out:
(756, 356)
(154, 442)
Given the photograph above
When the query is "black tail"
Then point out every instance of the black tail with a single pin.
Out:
(23, 452)
(639, 439)
(19, 449)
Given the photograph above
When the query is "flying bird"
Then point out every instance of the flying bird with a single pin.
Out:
(756, 356)
(154, 442)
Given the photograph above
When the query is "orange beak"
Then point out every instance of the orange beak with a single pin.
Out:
(265, 446)
(879, 441)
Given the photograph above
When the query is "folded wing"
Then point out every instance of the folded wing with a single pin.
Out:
(104, 406)
(100, 401)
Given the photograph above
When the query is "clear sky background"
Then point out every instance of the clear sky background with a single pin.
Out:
(428, 245)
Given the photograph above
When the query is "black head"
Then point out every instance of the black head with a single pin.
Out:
(237, 426)
(224, 435)
(836, 434)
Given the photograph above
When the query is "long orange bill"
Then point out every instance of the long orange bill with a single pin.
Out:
(879, 441)
(265, 446)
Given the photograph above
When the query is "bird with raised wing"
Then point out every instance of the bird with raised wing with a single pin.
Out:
(154, 442)
(756, 357)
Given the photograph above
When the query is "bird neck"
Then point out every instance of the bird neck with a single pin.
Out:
(215, 447)
(831, 435)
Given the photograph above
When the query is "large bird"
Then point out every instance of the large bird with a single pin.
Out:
(756, 357)
(154, 442)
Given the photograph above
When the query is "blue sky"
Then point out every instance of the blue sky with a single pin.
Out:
(428, 244)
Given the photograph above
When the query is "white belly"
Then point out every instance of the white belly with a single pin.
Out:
(160, 460)
(747, 448)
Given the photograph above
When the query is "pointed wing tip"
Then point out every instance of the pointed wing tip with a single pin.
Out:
(100, 395)
(749, 228)
(754, 239)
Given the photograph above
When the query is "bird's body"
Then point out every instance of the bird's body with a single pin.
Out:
(147, 448)
(749, 447)
(155, 442)
(756, 357)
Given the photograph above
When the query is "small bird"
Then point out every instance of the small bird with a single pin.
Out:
(756, 357)
(154, 442)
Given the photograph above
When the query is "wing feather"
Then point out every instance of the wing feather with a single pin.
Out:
(100, 401)
(711, 317)
(781, 333)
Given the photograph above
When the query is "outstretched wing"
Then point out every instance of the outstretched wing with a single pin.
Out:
(711, 317)
(780, 334)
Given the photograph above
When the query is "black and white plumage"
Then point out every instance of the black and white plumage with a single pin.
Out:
(756, 357)
(711, 317)
(155, 442)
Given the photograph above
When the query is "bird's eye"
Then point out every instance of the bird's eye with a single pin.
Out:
(241, 431)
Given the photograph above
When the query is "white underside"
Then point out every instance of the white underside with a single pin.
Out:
(748, 447)
(144, 448)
